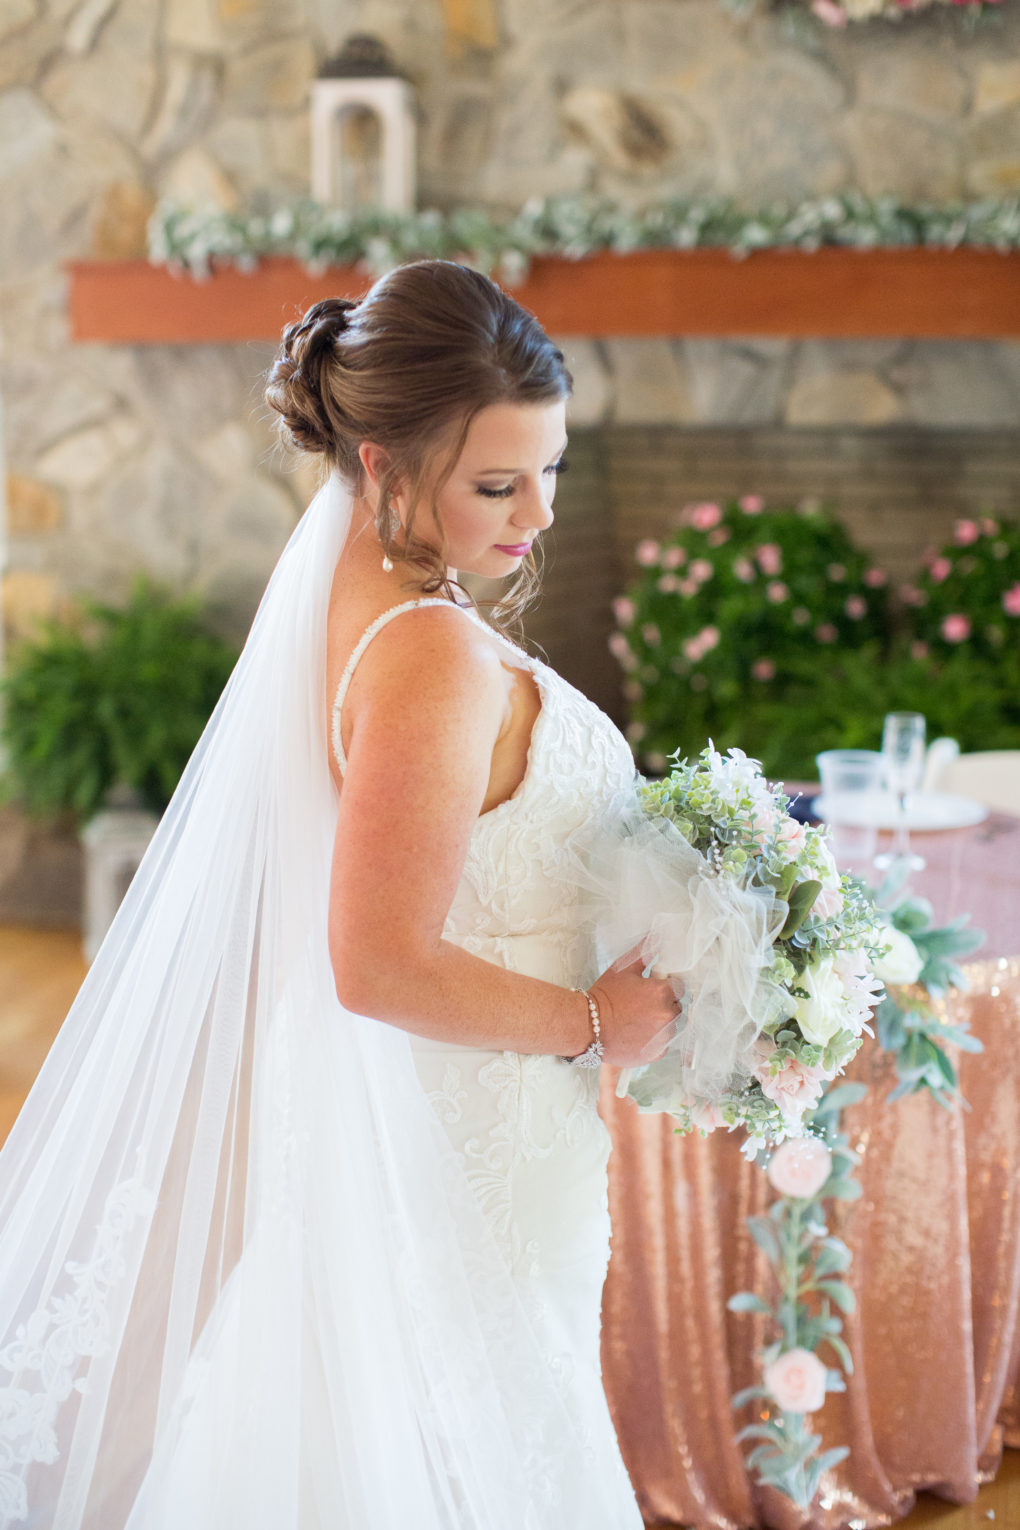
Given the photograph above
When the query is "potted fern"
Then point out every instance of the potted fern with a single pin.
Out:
(100, 714)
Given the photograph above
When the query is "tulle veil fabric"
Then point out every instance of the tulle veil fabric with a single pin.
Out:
(243, 1281)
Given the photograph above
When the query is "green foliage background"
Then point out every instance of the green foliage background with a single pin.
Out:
(119, 695)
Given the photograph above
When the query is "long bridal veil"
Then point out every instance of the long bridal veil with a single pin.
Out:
(243, 1281)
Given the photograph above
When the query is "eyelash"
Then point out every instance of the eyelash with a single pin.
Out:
(556, 467)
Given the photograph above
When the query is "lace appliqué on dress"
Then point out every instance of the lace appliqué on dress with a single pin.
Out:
(54, 1341)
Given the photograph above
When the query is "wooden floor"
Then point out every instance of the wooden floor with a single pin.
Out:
(40, 971)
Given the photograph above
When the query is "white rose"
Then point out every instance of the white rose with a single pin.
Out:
(797, 1381)
(820, 1015)
(903, 962)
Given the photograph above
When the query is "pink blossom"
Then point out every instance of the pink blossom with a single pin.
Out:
(701, 570)
(763, 669)
(688, 587)
(692, 649)
(875, 578)
(836, 572)
(770, 558)
(919, 649)
(620, 649)
(718, 536)
(828, 904)
(966, 532)
(1011, 601)
(912, 596)
(828, 11)
(826, 633)
(705, 1117)
(800, 1167)
(704, 517)
(651, 634)
(668, 584)
(800, 615)
(744, 570)
(751, 504)
(796, 1380)
(955, 628)
(989, 528)
(624, 611)
(776, 591)
(674, 557)
(709, 638)
(794, 1088)
(856, 607)
(940, 569)
(647, 552)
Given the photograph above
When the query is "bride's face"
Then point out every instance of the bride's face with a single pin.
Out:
(500, 493)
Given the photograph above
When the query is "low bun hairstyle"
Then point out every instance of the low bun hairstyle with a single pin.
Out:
(409, 367)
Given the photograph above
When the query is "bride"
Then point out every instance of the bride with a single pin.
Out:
(304, 1224)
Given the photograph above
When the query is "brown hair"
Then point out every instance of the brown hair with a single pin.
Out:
(408, 368)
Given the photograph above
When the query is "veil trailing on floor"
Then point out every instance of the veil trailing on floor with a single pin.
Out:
(243, 1280)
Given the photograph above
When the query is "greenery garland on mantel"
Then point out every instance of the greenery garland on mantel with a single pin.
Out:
(196, 240)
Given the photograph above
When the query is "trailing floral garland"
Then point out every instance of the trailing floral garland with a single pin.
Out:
(197, 239)
(808, 1264)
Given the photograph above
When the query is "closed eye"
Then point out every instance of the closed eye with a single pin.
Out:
(507, 489)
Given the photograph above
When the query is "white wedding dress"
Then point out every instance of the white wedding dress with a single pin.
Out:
(526, 1127)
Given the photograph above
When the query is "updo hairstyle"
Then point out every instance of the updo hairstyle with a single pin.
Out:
(408, 368)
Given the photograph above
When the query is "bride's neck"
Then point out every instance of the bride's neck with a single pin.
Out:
(364, 557)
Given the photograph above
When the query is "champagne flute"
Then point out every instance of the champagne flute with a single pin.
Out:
(903, 759)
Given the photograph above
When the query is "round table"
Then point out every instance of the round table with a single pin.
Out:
(936, 1245)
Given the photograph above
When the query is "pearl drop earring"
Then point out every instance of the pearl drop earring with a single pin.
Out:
(387, 565)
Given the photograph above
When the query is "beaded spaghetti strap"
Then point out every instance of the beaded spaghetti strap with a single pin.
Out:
(356, 653)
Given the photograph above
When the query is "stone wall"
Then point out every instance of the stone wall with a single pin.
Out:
(125, 457)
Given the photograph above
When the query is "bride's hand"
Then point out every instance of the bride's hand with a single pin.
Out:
(638, 1014)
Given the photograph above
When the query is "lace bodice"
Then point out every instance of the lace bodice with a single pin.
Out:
(516, 902)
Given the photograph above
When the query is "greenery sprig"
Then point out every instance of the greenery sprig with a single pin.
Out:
(196, 240)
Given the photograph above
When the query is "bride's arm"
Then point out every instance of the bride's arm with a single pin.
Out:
(425, 717)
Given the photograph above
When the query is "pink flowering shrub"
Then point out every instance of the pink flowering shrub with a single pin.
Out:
(743, 600)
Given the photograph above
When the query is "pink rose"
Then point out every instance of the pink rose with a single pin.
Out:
(668, 584)
(717, 537)
(647, 552)
(912, 596)
(965, 533)
(795, 1088)
(856, 607)
(836, 572)
(828, 904)
(800, 1167)
(704, 517)
(1011, 601)
(776, 591)
(796, 1380)
(620, 649)
(826, 633)
(939, 569)
(763, 669)
(692, 649)
(770, 558)
(751, 504)
(708, 637)
(875, 578)
(674, 557)
(989, 528)
(701, 570)
(792, 833)
(623, 610)
(919, 649)
(955, 628)
(651, 634)
(744, 570)
(688, 587)
(705, 1117)
(800, 615)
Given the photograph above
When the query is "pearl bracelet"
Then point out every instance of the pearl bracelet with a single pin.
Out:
(591, 1057)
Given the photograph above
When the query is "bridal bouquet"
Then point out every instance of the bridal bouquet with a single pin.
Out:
(778, 990)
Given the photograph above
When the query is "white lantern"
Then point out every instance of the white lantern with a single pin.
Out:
(363, 138)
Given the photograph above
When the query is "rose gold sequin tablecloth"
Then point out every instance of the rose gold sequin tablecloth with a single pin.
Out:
(936, 1245)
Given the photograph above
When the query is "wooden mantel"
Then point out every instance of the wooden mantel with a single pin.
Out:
(832, 293)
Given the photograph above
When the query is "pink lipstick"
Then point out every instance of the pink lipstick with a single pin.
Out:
(517, 551)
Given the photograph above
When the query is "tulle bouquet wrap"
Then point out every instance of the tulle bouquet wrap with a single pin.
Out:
(772, 947)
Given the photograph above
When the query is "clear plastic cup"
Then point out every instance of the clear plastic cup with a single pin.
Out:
(853, 800)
